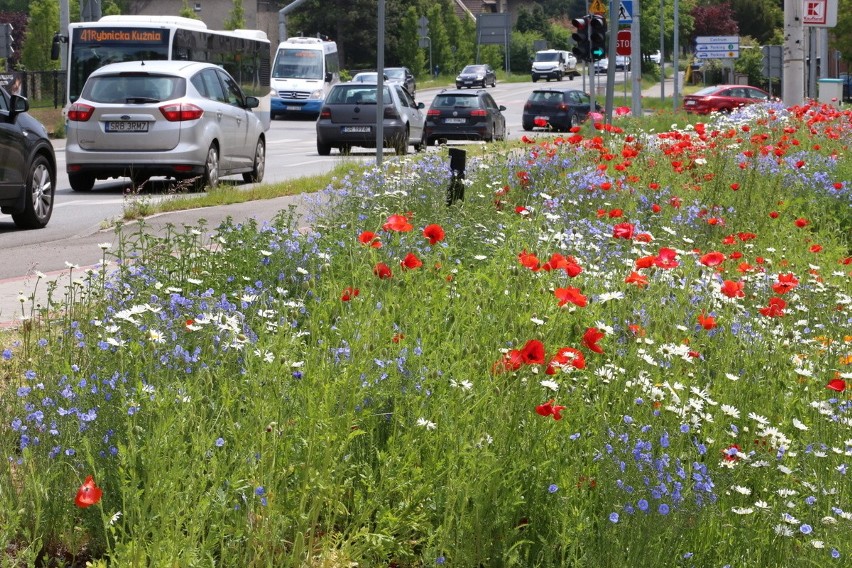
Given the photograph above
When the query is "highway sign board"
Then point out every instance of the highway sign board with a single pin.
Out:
(717, 39)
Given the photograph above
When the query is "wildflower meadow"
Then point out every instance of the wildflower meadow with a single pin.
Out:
(624, 347)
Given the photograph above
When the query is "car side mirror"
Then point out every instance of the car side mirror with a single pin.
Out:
(421, 105)
(19, 104)
(328, 77)
(252, 102)
(502, 108)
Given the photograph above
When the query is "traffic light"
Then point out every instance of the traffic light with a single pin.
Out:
(597, 36)
(581, 38)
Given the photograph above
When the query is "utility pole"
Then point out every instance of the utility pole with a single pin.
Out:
(64, 22)
(793, 82)
(636, 70)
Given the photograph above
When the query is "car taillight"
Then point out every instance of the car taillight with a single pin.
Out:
(563, 106)
(478, 112)
(390, 113)
(180, 112)
(79, 112)
(325, 113)
(433, 112)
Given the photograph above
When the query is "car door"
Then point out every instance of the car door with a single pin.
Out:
(416, 118)
(243, 151)
(12, 150)
(496, 116)
(222, 120)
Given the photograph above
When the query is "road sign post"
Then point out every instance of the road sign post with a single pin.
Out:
(717, 47)
(622, 42)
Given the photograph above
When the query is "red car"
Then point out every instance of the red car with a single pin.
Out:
(723, 98)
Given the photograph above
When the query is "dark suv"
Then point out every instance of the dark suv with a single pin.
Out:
(456, 114)
(27, 167)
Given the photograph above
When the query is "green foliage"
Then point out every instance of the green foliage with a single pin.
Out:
(759, 19)
(531, 18)
(187, 11)
(236, 17)
(43, 23)
(407, 51)
(841, 36)
(750, 62)
(522, 51)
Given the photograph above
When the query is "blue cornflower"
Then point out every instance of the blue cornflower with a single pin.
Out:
(260, 491)
(628, 419)
(553, 488)
(613, 517)
(663, 509)
(684, 428)
(835, 553)
(642, 504)
(440, 560)
(220, 442)
(7, 354)
(806, 529)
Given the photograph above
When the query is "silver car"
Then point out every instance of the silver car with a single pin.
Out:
(178, 119)
(348, 118)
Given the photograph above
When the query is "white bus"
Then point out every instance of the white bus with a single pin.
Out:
(304, 70)
(244, 54)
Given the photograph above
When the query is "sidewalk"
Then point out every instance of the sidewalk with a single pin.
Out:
(654, 92)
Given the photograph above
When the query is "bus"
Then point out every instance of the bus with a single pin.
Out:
(304, 70)
(244, 54)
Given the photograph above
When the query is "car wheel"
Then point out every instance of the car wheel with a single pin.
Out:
(38, 205)
(323, 149)
(573, 121)
(528, 126)
(259, 167)
(494, 82)
(559, 76)
(210, 177)
(81, 182)
(535, 78)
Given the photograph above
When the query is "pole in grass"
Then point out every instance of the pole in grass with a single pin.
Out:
(455, 191)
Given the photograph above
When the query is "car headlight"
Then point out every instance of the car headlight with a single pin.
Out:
(318, 94)
(480, 77)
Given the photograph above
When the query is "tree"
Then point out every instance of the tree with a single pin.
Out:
(408, 51)
(842, 33)
(758, 18)
(236, 17)
(187, 12)
(43, 23)
(715, 20)
(531, 19)
(19, 28)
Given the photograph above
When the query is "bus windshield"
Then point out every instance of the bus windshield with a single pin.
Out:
(94, 48)
(298, 64)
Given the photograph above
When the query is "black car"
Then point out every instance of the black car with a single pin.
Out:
(403, 76)
(458, 114)
(555, 109)
(27, 166)
(476, 76)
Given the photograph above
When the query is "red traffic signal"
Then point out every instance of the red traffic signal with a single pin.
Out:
(581, 38)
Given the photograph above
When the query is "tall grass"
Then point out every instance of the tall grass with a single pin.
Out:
(622, 348)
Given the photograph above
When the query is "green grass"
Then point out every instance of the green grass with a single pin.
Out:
(385, 387)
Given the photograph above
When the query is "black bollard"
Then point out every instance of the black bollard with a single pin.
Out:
(455, 191)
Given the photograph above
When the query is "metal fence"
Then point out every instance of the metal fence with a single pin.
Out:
(44, 89)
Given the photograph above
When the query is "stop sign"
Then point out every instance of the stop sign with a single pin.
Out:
(622, 42)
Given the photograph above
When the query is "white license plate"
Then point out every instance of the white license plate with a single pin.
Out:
(294, 108)
(689, 103)
(455, 121)
(127, 126)
(468, 82)
(355, 129)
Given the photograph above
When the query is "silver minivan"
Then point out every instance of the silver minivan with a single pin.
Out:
(179, 119)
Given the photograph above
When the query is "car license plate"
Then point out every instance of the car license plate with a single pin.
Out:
(355, 129)
(468, 82)
(294, 108)
(689, 103)
(454, 121)
(127, 126)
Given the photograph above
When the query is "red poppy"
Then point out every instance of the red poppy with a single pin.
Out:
(775, 309)
(591, 338)
(735, 186)
(786, 282)
(564, 357)
(529, 260)
(573, 295)
(838, 385)
(370, 238)
(645, 262)
(773, 214)
(712, 259)
(707, 322)
(732, 289)
(435, 233)
(666, 258)
(89, 494)
(656, 208)
(802, 222)
(382, 270)
(623, 231)
(816, 248)
(533, 352)
(550, 409)
(411, 261)
(398, 223)
(349, 293)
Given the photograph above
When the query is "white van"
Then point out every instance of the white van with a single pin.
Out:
(304, 70)
(554, 64)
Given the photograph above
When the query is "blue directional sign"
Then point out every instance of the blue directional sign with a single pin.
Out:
(625, 12)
